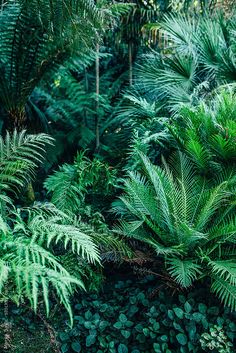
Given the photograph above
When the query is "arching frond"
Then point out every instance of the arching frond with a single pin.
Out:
(185, 272)
(20, 154)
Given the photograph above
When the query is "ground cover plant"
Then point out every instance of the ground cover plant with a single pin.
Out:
(117, 176)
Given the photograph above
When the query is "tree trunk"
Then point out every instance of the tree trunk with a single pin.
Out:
(16, 119)
(130, 48)
(97, 132)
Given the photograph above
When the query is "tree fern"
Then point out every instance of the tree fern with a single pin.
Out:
(35, 37)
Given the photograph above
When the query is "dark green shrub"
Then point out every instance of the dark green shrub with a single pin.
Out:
(132, 318)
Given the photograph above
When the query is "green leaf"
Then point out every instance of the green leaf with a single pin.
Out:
(88, 315)
(156, 326)
(123, 318)
(132, 300)
(122, 348)
(65, 348)
(178, 327)
(182, 339)
(187, 307)
(139, 328)
(76, 347)
(213, 310)
(171, 314)
(64, 336)
(146, 331)
(87, 325)
(179, 313)
(125, 333)
(129, 323)
(118, 325)
(157, 348)
(90, 340)
(202, 308)
(103, 325)
(197, 316)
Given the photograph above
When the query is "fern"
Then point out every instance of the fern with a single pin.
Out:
(31, 238)
(19, 156)
(70, 185)
(66, 193)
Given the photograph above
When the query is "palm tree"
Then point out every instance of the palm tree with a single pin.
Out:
(199, 57)
(188, 223)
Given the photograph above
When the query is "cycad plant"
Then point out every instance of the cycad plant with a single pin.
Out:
(189, 223)
(34, 239)
(207, 133)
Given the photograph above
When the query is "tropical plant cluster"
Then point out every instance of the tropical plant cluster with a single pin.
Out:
(118, 156)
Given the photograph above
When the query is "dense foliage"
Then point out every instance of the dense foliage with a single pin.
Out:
(117, 153)
(130, 318)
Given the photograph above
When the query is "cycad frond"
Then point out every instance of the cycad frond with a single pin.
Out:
(225, 269)
(185, 272)
(225, 292)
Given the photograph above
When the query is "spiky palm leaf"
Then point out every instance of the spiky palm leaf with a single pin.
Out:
(199, 51)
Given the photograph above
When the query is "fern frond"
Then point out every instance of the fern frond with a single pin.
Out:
(66, 192)
(20, 154)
